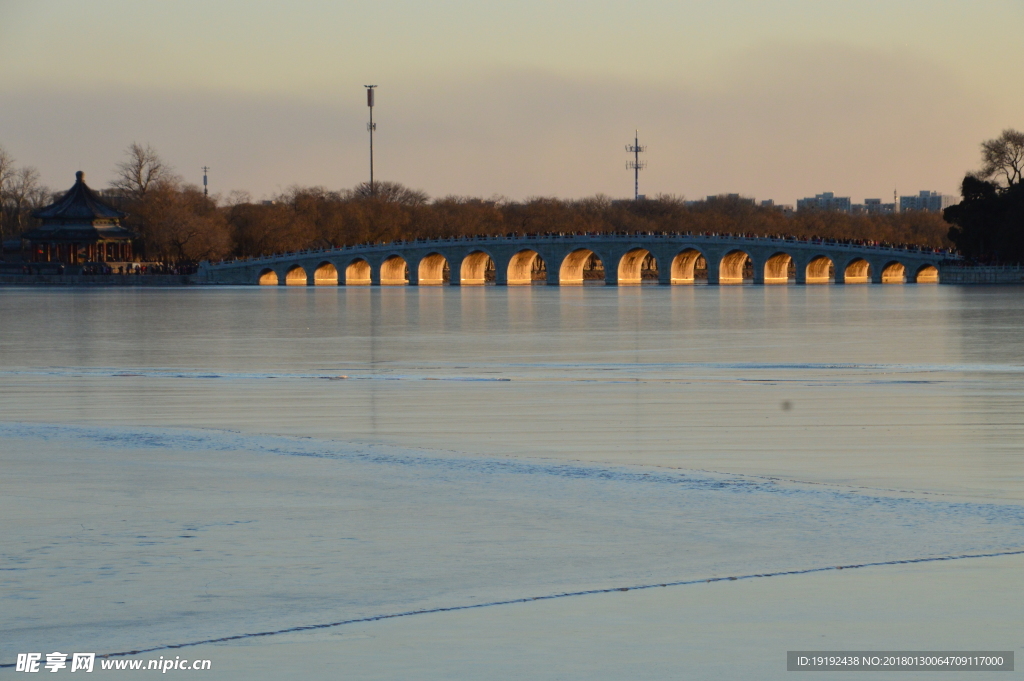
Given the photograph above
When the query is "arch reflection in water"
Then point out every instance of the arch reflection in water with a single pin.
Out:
(394, 271)
(357, 273)
(928, 274)
(636, 266)
(735, 268)
(688, 266)
(434, 270)
(779, 269)
(477, 269)
(579, 266)
(858, 271)
(893, 273)
(326, 274)
(526, 267)
(296, 277)
(820, 270)
(268, 277)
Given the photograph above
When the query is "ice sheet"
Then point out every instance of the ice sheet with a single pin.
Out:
(123, 538)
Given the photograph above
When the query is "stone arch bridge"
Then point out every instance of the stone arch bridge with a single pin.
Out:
(571, 259)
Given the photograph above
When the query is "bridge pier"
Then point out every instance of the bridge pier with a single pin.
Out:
(758, 267)
(501, 273)
(800, 270)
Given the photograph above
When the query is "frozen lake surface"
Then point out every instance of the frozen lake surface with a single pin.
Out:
(187, 465)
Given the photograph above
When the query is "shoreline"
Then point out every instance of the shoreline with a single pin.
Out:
(91, 280)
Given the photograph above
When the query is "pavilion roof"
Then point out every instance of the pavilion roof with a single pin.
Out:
(80, 204)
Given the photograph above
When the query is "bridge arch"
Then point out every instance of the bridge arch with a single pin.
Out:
(634, 264)
(434, 270)
(357, 273)
(325, 274)
(857, 271)
(779, 268)
(686, 264)
(476, 269)
(296, 276)
(579, 265)
(820, 270)
(394, 271)
(526, 267)
(894, 272)
(267, 277)
(926, 274)
(736, 266)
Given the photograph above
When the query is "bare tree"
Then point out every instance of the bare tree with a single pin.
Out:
(391, 192)
(185, 226)
(1004, 157)
(6, 168)
(140, 171)
(22, 196)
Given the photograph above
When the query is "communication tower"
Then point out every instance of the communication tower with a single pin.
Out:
(206, 191)
(371, 126)
(636, 165)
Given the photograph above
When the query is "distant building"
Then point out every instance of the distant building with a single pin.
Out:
(730, 197)
(785, 208)
(721, 198)
(932, 202)
(873, 207)
(824, 202)
(79, 228)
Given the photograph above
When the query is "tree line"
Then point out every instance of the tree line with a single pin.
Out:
(177, 223)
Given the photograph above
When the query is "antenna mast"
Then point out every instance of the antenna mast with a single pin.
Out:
(636, 165)
(206, 169)
(371, 126)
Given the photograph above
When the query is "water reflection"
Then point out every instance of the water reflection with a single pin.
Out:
(888, 386)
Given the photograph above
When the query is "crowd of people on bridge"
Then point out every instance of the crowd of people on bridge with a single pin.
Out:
(105, 269)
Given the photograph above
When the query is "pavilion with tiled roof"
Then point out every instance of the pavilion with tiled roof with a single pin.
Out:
(80, 228)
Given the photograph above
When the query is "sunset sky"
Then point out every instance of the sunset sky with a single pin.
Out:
(774, 100)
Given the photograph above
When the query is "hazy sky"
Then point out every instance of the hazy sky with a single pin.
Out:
(775, 100)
